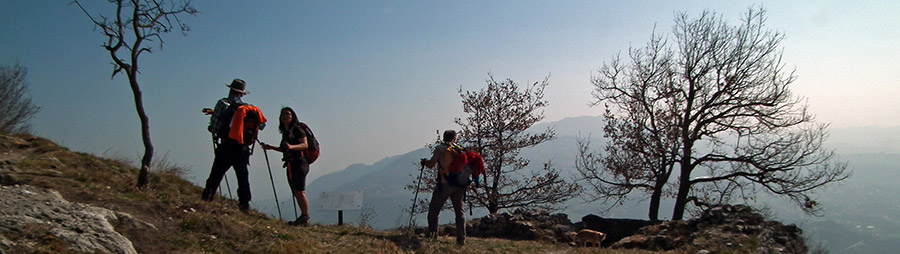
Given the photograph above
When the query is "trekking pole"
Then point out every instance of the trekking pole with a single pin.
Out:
(466, 197)
(294, 203)
(416, 196)
(227, 185)
(214, 154)
(273, 181)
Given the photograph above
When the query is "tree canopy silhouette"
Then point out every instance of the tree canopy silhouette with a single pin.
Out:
(498, 125)
(716, 109)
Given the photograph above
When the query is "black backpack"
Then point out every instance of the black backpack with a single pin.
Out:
(226, 116)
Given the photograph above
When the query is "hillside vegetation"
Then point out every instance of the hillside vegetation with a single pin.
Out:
(169, 217)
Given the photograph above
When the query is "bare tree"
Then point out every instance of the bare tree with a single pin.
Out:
(15, 104)
(642, 149)
(721, 103)
(498, 122)
(136, 22)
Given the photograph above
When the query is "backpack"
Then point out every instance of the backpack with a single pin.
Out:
(226, 117)
(449, 156)
(311, 153)
(246, 121)
(462, 178)
(251, 127)
(463, 166)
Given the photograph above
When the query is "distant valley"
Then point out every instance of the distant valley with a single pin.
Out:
(862, 214)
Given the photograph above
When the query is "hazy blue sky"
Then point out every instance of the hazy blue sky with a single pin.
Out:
(377, 78)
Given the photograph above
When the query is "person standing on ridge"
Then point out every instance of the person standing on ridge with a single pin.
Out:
(231, 152)
(445, 190)
(294, 143)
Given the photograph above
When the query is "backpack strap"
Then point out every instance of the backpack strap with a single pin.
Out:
(311, 141)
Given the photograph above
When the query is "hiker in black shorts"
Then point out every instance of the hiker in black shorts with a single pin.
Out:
(293, 144)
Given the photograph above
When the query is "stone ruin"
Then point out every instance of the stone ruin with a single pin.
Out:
(725, 228)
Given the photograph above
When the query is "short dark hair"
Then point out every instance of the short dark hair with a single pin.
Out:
(449, 135)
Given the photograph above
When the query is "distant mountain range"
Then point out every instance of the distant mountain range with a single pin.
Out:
(862, 214)
(383, 182)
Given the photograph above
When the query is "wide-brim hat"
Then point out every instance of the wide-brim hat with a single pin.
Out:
(238, 85)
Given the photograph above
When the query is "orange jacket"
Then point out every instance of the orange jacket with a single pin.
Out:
(237, 122)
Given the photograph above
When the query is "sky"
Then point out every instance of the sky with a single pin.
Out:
(378, 78)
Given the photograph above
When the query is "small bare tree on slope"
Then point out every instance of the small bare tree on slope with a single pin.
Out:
(135, 23)
(15, 104)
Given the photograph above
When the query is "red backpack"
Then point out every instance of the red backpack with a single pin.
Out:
(311, 153)
(464, 167)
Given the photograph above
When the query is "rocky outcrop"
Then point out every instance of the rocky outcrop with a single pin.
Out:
(615, 229)
(29, 215)
(521, 224)
(720, 229)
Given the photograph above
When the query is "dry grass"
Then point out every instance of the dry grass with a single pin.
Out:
(182, 223)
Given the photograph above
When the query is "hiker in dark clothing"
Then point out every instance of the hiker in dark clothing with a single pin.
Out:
(445, 190)
(293, 144)
(229, 153)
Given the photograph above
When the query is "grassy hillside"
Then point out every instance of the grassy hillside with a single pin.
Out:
(178, 222)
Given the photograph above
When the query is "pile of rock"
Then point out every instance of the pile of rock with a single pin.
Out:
(615, 229)
(720, 229)
(521, 224)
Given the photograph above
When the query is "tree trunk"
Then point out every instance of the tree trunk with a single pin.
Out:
(654, 206)
(684, 187)
(655, 198)
(144, 174)
(687, 150)
(684, 180)
(493, 196)
(684, 183)
(493, 203)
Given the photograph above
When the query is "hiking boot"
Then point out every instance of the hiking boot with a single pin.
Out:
(207, 195)
(245, 208)
(303, 221)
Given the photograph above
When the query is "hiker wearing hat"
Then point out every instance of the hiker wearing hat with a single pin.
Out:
(229, 152)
